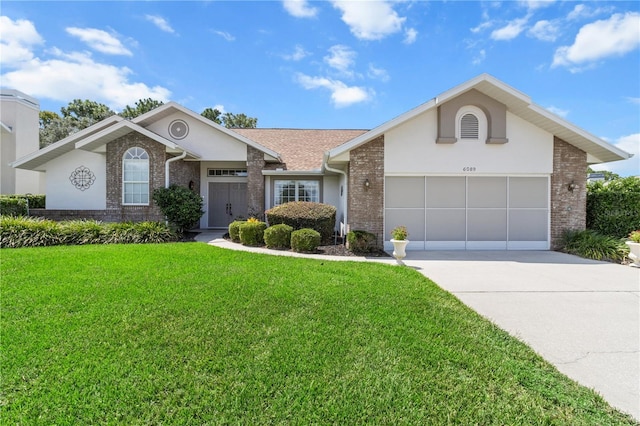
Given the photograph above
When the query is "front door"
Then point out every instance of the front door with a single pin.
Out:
(227, 202)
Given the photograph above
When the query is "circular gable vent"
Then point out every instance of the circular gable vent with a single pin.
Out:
(178, 129)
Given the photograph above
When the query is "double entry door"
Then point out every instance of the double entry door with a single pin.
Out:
(227, 202)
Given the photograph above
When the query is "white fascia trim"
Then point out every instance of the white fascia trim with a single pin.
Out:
(580, 132)
(68, 140)
(5, 128)
(196, 116)
(292, 172)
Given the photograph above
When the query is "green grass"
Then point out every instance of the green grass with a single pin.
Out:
(186, 333)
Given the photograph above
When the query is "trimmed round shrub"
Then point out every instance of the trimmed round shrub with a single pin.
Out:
(361, 242)
(305, 240)
(252, 233)
(234, 230)
(304, 214)
(278, 236)
(13, 206)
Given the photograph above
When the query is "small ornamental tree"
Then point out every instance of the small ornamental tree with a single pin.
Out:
(181, 206)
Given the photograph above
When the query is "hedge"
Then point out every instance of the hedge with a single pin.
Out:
(613, 207)
(234, 230)
(304, 214)
(18, 205)
(18, 232)
(252, 233)
(305, 240)
(361, 242)
(278, 236)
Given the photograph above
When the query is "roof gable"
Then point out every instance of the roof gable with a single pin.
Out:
(517, 103)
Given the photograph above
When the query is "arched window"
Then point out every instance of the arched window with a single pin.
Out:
(135, 177)
(471, 124)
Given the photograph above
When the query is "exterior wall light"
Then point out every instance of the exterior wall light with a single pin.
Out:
(572, 186)
(367, 183)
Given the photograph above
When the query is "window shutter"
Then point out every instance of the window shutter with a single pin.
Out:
(469, 128)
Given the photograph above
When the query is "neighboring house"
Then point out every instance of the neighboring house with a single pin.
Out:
(19, 122)
(478, 167)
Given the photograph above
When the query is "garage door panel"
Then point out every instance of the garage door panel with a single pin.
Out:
(446, 192)
(487, 192)
(413, 219)
(404, 192)
(486, 225)
(528, 225)
(446, 225)
(528, 192)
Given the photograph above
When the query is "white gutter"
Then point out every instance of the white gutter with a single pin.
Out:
(346, 184)
(166, 167)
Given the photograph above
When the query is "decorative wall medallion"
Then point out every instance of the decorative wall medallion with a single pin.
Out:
(178, 129)
(82, 178)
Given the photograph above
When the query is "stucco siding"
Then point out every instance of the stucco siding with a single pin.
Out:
(63, 194)
(411, 149)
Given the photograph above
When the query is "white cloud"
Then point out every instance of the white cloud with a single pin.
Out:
(484, 25)
(225, 35)
(298, 54)
(633, 100)
(477, 60)
(536, 4)
(299, 8)
(341, 58)
(545, 30)
(511, 30)
(370, 20)
(630, 167)
(77, 75)
(410, 36)
(616, 36)
(558, 111)
(378, 73)
(99, 40)
(341, 94)
(17, 40)
(160, 22)
(581, 11)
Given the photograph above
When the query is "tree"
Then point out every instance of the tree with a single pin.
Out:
(79, 109)
(181, 206)
(46, 117)
(607, 174)
(230, 120)
(141, 106)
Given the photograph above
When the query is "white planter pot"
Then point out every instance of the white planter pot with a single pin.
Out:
(634, 253)
(399, 250)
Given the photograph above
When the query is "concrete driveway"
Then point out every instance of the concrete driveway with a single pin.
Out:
(582, 316)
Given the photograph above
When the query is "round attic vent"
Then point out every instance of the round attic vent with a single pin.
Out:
(178, 129)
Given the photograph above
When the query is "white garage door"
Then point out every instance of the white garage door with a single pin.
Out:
(465, 212)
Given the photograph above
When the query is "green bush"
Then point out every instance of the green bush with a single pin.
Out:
(361, 242)
(303, 214)
(181, 206)
(234, 230)
(278, 236)
(18, 232)
(592, 245)
(252, 233)
(13, 206)
(305, 240)
(613, 207)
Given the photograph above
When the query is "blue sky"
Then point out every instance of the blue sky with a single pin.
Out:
(331, 64)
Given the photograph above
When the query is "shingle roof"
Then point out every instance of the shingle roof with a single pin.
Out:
(300, 149)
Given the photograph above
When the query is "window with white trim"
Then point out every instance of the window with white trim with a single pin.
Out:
(295, 190)
(135, 177)
(471, 124)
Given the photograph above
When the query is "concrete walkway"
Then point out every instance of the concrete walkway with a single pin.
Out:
(580, 315)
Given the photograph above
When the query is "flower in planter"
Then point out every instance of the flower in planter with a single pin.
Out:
(399, 233)
(635, 236)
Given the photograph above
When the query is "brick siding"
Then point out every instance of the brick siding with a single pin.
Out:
(568, 209)
(255, 182)
(366, 204)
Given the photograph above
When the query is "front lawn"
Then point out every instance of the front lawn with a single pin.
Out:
(192, 334)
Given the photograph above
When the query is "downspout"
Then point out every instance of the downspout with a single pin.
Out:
(346, 185)
(166, 167)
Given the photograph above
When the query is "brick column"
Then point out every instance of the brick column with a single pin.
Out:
(255, 182)
(366, 204)
(568, 208)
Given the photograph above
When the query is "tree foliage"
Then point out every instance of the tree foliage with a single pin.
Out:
(79, 110)
(607, 174)
(613, 207)
(229, 119)
(141, 106)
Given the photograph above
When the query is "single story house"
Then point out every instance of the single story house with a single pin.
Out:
(477, 167)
